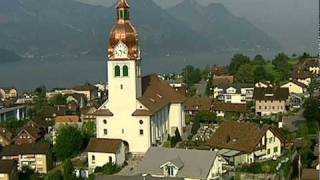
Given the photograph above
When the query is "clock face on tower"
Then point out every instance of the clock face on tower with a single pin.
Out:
(121, 51)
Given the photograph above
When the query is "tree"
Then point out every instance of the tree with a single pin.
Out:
(206, 117)
(69, 142)
(260, 74)
(41, 105)
(108, 169)
(56, 175)
(259, 60)
(89, 129)
(304, 56)
(209, 87)
(236, 61)
(282, 65)
(191, 75)
(245, 74)
(312, 111)
(58, 99)
(68, 170)
(175, 139)
(195, 127)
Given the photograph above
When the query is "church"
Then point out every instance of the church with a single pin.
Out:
(140, 111)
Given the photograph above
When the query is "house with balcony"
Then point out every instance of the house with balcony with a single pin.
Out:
(36, 156)
(245, 143)
(181, 163)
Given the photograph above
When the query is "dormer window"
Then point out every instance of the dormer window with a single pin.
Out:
(170, 170)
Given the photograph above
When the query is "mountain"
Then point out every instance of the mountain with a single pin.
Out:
(221, 28)
(8, 56)
(63, 29)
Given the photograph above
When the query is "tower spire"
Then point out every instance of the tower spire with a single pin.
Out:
(123, 10)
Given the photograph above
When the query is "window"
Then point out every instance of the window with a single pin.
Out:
(125, 70)
(105, 131)
(121, 86)
(275, 149)
(270, 140)
(141, 122)
(170, 170)
(117, 71)
(141, 132)
(259, 107)
(110, 159)
(122, 131)
(93, 158)
(104, 121)
(268, 151)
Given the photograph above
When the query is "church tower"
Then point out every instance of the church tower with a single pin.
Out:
(124, 64)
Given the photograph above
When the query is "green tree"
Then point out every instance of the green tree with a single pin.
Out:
(108, 169)
(305, 55)
(311, 110)
(41, 105)
(195, 127)
(191, 75)
(206, 117)
(175, 139)
(58, 99)
(56, 175)
(69, 142)
(282, 65)
(245, 74)
(236, 61)
(259, 60)
(209, 87)
(68, 170)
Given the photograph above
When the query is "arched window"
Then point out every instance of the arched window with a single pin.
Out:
(125, 70)
(117, 71)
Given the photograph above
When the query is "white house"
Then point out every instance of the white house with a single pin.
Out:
(183, 163)
(245, 143)
(141, 111)
(234, 93)
(103, 151)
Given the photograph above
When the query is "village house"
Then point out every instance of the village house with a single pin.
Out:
(182, 163)
(197, 103)
(8, 93)
(86, 113)
(5, 137)
(221, 108)
(102, 151)
(263, 84)
(306, 70)
(245, 143)
(295, 87)
(218, 71)
(32, 132)
(233, 93)
(8, 170)
(35, 156)
(270, 100)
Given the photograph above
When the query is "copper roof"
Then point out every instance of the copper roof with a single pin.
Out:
(103, 145)
(242, 137)
(123, 4)
(158, 93)
(124, 32)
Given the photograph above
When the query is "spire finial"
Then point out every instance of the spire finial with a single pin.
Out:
(123, 4)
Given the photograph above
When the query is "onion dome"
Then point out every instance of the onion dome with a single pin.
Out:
(123, 32)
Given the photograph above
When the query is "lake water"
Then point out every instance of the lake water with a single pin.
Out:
(28, 74)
